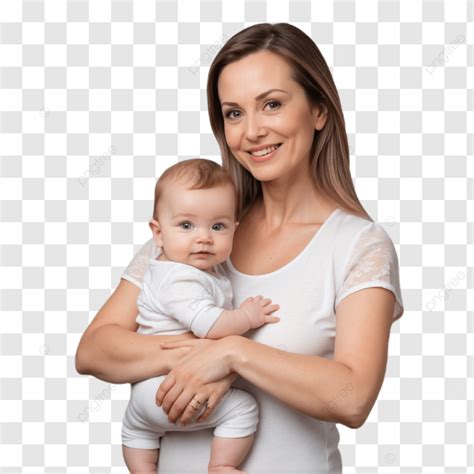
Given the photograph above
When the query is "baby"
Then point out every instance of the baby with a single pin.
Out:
(185, 289)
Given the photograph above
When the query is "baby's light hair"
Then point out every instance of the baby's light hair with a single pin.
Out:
(196, 173)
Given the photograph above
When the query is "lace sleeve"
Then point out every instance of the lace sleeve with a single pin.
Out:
(137, 267)
(372, 262)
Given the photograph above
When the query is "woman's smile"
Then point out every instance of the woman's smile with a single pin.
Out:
(263, 153)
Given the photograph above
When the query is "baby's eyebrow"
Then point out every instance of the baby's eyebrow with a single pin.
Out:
(192, 215)
(184, 215)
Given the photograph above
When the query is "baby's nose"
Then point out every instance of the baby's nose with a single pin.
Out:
(205, 236)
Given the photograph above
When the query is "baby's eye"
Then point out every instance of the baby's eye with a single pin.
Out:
(219, 226)
(185, 225)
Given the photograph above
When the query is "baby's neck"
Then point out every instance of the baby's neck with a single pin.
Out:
(162, 258)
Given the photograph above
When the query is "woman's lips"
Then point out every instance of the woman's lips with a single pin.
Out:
(260, 159)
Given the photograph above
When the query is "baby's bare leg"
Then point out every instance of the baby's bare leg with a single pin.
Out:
(141, 460)
(228, 453)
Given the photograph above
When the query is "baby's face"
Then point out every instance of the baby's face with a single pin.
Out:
(196, 227)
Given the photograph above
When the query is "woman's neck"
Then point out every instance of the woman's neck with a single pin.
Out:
(291, 201)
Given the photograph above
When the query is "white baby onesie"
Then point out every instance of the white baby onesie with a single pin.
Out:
(178, 298)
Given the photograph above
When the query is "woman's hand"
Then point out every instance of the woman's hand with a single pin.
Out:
(192, 378)
(213, 393)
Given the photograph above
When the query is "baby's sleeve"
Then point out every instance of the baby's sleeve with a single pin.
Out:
(137, 268)
(188, 297)
(372, 262)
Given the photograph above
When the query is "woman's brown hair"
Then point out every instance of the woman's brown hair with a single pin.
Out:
(330, 150)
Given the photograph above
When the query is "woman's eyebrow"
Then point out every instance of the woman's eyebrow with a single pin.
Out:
(259, 97)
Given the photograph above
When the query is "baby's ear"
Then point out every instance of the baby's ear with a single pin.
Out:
(237, 224)
(154, 225)
(156, 230)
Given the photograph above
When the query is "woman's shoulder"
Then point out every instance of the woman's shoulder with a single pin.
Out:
(350, 226)
(350, 221)
(352, 231)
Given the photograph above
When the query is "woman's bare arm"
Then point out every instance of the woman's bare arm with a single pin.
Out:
(341, 390)
(111, 349)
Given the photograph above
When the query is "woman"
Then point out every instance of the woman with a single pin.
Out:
(304, 241)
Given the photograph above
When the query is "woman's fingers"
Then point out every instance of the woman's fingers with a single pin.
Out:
(189, 344)
(185, 402)
(210, 407)
(164, 387)
(176, 344)
(176, 404)
(212, 393)
(170, 398)
(193, 410)
(167, 396)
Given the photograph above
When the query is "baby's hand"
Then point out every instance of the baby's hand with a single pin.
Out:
(258, 311)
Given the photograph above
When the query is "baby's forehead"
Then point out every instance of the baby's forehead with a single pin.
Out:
(205, 202)
(186, 187)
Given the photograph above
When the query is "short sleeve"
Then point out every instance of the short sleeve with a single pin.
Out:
(188, 297)
(137, 268)
(372, 262)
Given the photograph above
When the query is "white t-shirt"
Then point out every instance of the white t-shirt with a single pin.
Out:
(178, 298)
(345, 255)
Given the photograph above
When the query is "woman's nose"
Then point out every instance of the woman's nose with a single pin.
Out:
(254, 128)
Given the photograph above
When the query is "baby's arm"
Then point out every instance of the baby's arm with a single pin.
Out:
(253, 313)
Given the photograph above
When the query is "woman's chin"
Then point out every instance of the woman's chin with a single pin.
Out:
(265, 175)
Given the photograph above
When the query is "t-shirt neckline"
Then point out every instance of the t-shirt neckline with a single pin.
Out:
(314, 238)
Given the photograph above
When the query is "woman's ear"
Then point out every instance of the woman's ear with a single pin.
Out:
(321, 116)
(156, 230)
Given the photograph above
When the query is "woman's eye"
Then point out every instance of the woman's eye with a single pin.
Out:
(232, 114)
(274, 104)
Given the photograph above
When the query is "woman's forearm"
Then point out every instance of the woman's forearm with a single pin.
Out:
(321, 388)
(118, 355)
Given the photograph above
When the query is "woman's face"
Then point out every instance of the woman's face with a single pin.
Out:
(268, 120)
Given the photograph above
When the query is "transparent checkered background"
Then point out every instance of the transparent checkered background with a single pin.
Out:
(98, 98)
